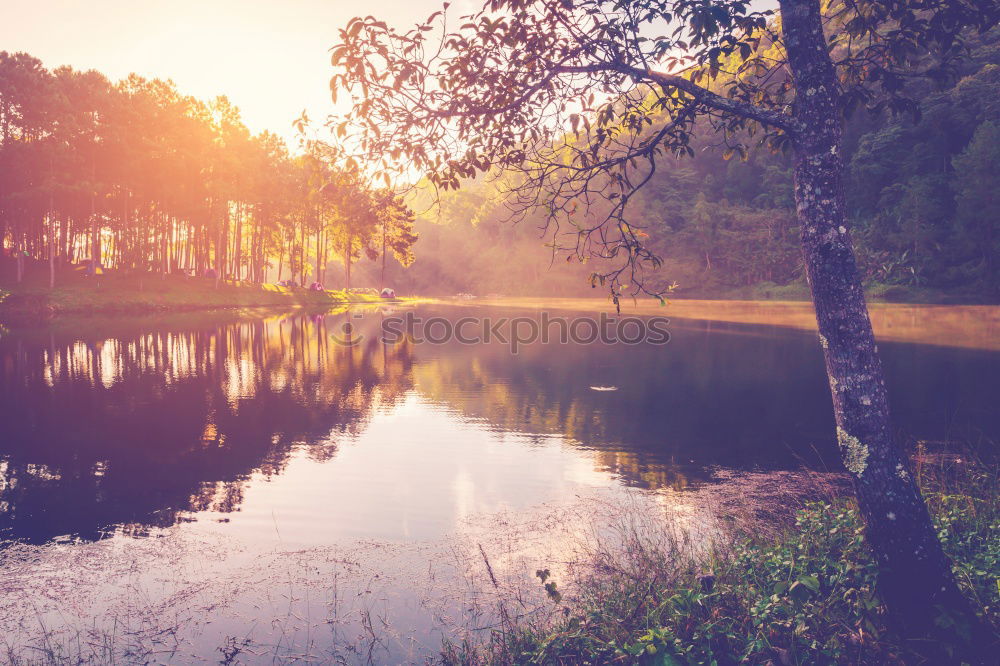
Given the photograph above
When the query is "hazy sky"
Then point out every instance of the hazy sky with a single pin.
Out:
(268, 56)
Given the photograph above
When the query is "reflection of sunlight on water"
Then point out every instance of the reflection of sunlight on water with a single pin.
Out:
(414, 471)
(396, 525)
(395, 532)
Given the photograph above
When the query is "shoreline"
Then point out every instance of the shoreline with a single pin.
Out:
(118, 295)
(966, 326)
(157, 296)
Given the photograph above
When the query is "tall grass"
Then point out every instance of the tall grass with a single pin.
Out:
(803, 594)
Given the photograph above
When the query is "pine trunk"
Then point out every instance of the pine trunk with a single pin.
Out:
(52, 253)
(95, 242)
(95, 232)
(915, 575)
(347, 270)
(319, 257)
(381, 279)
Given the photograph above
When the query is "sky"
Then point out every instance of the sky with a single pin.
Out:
(270, 57)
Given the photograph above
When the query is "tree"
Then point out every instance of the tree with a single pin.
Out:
(978, 203)
(135, 176)
(345, 204)
(395, 220)
(25, 100)
(87, 97)
(578, 100)
(704, 221)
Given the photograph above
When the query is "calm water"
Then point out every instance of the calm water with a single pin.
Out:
(252, 425)
(175, 484)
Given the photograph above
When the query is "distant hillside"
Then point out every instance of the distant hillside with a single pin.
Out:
(926, 221)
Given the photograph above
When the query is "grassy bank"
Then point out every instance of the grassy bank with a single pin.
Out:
(805, 595)
(113, 294)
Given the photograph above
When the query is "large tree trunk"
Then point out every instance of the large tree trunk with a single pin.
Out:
(915, 575)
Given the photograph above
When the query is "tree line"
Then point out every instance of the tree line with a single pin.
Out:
(137, 177)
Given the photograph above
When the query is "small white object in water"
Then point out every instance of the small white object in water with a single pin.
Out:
(603, 388)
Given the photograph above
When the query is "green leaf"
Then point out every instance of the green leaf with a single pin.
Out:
(667, 659)
(811, 582)
(799, 592)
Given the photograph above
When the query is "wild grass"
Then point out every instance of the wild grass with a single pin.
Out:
(804, 594)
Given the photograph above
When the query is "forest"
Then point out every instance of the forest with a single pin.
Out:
(83, 163)
(136, 177)
(921, 198)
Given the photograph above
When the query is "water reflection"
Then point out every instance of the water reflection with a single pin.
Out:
(138, 428)
(144, 423)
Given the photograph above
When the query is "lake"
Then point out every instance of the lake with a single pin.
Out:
(208, 466)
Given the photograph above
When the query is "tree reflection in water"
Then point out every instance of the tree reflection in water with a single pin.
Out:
(138, 428)
(138, 423)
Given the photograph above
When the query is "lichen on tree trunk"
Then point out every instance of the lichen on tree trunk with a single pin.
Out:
(915, 575)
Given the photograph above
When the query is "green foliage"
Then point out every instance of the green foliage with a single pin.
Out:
(585, 107)
(919, 191)
(805, 597)
(978, 205)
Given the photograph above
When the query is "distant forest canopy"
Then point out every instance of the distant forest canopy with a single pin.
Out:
(921, 192)
(136, 177)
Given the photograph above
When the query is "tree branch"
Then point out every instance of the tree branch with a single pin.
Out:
(702, 95)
